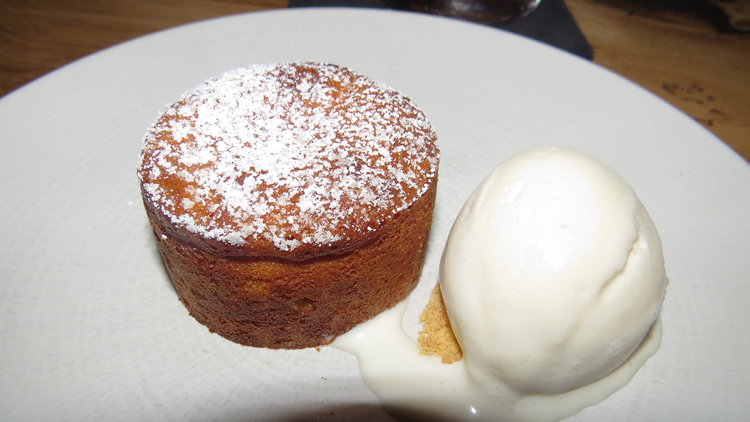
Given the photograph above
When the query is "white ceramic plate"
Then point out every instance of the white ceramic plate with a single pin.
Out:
(91, 329)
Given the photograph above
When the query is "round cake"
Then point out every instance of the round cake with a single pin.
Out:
(290, 202)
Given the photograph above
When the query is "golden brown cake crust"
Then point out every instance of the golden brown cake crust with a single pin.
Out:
(290, 202)
(268, 302)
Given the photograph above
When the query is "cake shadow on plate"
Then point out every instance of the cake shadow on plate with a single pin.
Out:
(347, 412)
(359, 412)
(344, 412)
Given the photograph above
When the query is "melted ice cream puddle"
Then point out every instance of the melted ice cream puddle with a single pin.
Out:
(553, 279)
(418, 387)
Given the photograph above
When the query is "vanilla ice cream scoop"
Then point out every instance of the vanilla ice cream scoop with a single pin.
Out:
(553, 273)
(553, 280)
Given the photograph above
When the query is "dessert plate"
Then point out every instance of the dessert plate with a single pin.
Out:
(92, 329)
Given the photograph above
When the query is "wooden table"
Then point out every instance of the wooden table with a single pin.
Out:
(677, 56)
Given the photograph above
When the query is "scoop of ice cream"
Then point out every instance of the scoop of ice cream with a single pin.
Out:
(553, 273)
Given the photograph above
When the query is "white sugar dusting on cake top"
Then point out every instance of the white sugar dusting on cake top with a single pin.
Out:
(294, 153)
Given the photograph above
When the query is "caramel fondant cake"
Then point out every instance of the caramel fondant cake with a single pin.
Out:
(290, 202)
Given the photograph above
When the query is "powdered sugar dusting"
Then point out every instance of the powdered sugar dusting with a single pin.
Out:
(296, 153)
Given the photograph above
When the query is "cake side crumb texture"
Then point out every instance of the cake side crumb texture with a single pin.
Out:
(436, 337)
